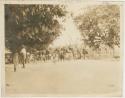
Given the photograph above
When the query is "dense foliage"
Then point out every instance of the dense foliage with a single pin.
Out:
(100, 25)
(34, 26)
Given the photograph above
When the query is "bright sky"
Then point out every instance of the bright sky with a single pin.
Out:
(71, 35)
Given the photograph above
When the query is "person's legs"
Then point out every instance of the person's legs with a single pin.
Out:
(23, 63)
(14, 67)
(15, 61)
(23, 60)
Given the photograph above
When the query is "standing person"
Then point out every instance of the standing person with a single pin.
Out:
(23, 54)
(84, 52)
(15, 60)
(27, 57)
(61, 54)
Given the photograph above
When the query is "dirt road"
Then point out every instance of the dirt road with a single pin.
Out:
(69, 78)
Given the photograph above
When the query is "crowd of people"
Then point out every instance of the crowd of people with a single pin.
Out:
(56, 54)
(23, 55)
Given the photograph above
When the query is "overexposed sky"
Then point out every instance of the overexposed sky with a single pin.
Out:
(71, 35)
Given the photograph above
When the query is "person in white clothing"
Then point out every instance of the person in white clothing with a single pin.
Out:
(23, 54)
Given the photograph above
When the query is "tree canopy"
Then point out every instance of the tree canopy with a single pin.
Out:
(35, 26)
(100, 25)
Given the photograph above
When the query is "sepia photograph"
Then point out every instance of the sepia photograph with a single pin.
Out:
(65, 49)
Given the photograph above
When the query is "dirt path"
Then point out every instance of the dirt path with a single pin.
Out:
(69, 78)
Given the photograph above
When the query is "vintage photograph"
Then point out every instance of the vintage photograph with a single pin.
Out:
(69, 49)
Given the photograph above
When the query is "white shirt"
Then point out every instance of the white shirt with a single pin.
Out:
(23, 50)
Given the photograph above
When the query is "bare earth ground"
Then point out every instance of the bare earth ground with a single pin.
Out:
(68, 78)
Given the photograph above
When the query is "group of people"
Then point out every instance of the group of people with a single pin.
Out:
(23, 55)
(58, 54)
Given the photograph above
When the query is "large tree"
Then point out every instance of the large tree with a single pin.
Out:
(35, 26)
(100, 24)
